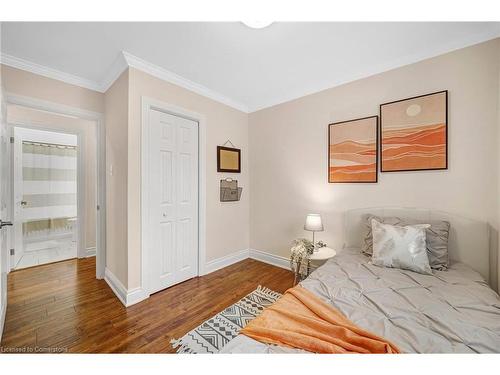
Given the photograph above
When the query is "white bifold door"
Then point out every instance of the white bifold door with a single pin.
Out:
(173, 200)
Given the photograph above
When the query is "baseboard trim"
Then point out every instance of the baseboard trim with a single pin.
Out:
(260, 255)
(116, 286)
(225, 261)
(2, 317)
(126, 297)
(90, 252)
(136, 295)
(272, 259)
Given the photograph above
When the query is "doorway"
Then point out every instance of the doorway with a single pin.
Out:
(87, 227)
(47, 224)
(30, 113)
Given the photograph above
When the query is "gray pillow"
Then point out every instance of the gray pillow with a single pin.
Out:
(437, 237)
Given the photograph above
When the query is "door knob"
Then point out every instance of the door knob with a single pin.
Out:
(24, 203)
(5, 223)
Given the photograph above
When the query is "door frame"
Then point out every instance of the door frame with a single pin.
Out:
(147, 105)
(81, 183)
(98, 118)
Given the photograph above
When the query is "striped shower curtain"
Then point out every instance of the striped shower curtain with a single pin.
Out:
(49, 188)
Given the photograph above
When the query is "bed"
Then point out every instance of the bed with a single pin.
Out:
(452, 311)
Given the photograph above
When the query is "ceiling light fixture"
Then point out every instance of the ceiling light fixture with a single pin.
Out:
(257, 24)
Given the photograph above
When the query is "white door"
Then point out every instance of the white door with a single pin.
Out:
(18, 206)
(173, 200)
(4, 183)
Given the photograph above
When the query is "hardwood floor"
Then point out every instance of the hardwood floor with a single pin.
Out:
(63, 307)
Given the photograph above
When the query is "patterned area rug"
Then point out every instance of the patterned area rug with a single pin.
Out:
(213, 334)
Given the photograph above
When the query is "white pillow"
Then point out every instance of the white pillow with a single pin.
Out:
(400, 247)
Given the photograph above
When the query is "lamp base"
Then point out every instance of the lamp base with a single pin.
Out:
(314, 245)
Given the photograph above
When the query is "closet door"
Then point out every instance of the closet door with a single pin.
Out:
(173, 200)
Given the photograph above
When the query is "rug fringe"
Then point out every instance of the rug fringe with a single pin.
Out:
(175, 343)
(181, 346)
(268, 292)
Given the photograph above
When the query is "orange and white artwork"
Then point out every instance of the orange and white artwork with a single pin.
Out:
(414, 133)
(352, 154)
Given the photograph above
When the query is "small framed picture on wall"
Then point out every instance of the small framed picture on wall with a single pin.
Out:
(228, 159)
(414, 133)
(352, 150)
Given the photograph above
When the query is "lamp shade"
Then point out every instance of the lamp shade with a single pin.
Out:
(313, 223)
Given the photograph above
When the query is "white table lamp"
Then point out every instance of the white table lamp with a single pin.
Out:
(313, 224)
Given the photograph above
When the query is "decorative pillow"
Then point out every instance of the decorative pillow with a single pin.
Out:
(400, 247)
(436, 238)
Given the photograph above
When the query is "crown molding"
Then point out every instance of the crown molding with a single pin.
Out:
(168, 76)
(18, 63)
(122, 62)
(114, 71)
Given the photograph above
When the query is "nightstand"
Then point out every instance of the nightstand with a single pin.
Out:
(323, 253)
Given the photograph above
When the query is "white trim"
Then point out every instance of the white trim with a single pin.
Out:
(100, 161)
(114, 72)
(136, 295)
(148, 104)
(2, 317)
(3, 303)
(81, 203)
(168, 76)
(126, 297)
(45, 105)
(133, 296)
(122, 62)
(116, 286)
(45, 71)
(225, 261)
(90, 252)
(269, 258)
(260, 255)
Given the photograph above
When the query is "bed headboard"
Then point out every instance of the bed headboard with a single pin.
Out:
(468, 242)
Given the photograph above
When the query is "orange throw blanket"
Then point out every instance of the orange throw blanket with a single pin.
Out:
(301, 320)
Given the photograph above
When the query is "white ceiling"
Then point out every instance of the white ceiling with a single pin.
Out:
(247, 68)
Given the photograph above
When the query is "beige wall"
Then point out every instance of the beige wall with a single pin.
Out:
(288, 143)
(45, 120)
(116, 120)
(227, 228)
(23, 83)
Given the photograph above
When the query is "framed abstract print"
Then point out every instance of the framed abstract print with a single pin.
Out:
(352, 150)
(228, 159)
(414, 133)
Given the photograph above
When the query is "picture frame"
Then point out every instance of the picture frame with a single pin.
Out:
(414, 133)
(353, 151)
(228, 159)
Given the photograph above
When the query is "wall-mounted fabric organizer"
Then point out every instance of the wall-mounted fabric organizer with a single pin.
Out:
(229, 190)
